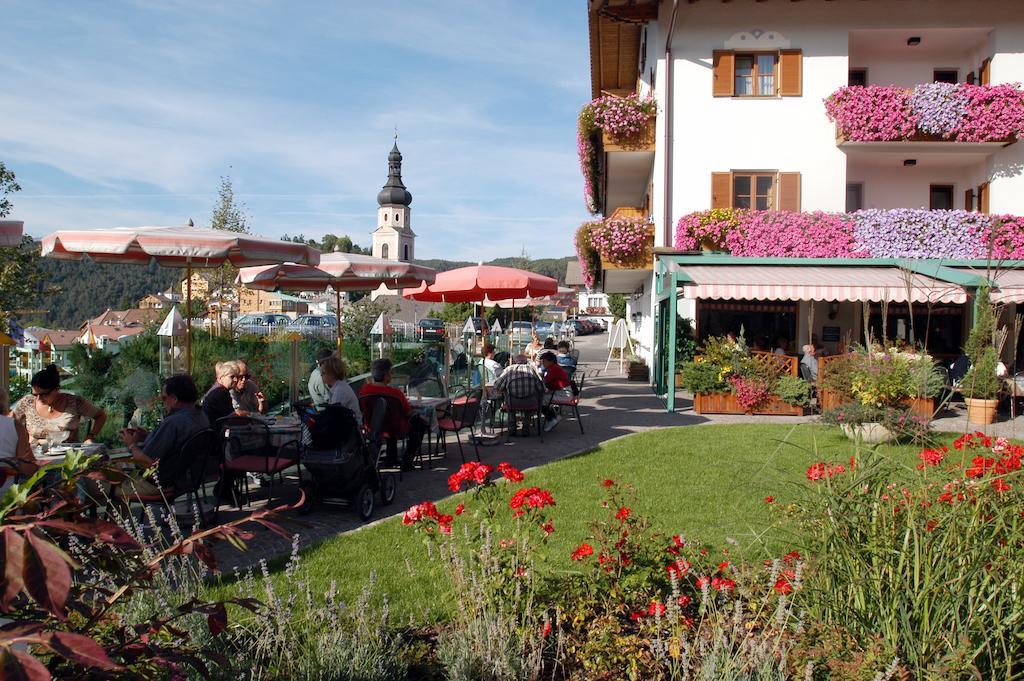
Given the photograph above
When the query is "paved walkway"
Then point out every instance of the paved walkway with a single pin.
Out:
(611, 407)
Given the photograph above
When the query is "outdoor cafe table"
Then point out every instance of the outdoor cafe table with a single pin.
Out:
(284, 429)
(58, 453)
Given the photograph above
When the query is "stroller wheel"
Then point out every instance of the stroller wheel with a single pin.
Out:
(388, 488)
(363, 502)
(307, 503)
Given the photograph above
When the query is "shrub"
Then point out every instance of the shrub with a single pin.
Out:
(702, 377)
(981, 382)
(793, 390)
(927, 561)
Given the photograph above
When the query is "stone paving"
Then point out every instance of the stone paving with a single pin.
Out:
(611, 407)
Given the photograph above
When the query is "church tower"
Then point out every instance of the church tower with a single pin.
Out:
(394, 239)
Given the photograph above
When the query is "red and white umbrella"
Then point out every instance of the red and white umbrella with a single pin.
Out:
(186, 247)
(10, 233)
(340, 271)
(478, 283)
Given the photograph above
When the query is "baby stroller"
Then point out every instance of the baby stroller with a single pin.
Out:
(343, 466)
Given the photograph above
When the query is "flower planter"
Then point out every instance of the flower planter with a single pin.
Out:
(981, 412)
(643, 141)
(868, 433)
(921, 407)
(643, 261)
(638, 371)
(726, 403)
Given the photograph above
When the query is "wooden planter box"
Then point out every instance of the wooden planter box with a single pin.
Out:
(644, 141)
(725, 403)
(922, 407)
(644, 261)
(638, 371)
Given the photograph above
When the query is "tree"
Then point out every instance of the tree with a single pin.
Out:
(22, 282)
(229, 216)
(453, 313)
(617, 305)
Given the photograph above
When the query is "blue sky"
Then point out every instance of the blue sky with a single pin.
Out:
(128, 113)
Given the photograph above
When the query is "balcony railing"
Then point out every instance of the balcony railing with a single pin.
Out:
(931, 112)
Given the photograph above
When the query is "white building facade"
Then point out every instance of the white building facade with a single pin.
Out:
(740, 89)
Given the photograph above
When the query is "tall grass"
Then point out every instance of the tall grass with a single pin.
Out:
(931, 560)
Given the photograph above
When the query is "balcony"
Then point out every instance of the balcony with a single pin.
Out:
(966, 123)
(616, 142)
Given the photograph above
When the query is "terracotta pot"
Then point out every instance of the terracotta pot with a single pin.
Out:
(868, 433)
(981, 412)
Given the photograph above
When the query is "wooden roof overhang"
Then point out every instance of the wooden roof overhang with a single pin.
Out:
(616, 27)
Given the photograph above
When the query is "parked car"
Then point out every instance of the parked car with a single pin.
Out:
(315, 326)
(580, 328)
(261, 323)
(520, 331)
(480, 324)
(600, 325)
(545, 329)
(430, 329)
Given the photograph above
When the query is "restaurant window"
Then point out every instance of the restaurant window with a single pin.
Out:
(857, 78)
(946, 76)
(940, 197)
(755, 75)
(753, 191)
(854, 196)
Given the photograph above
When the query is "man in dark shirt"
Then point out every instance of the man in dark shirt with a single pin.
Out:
(182, 421)
(555, 379)
(416, 425)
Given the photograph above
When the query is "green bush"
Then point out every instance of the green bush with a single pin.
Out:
(793, 390)
(702, 377)
(686, 344)
(980, 382)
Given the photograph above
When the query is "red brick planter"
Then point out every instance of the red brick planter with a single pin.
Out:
(725, 403)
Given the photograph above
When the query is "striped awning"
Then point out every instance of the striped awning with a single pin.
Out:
(1008, 285)
(827, 283)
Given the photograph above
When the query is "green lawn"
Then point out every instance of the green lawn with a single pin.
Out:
(706, 482)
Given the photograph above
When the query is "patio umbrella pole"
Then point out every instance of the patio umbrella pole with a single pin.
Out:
(337, 312)
(188, 316)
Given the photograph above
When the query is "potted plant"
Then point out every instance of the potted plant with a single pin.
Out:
(980, 385)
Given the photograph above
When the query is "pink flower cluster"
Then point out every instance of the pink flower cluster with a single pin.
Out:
(589, 258)
(875, 233)
(750, 393)
(872, 113)
(623, 118)
(966, 113)
(622, 241)
(795, 235)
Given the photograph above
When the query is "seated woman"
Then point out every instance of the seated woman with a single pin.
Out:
(533, 349)
(217, 401)
(14, 448)
(333, 371)
(50, 415)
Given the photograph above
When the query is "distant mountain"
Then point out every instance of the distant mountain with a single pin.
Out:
(88, 289)
(549, 267)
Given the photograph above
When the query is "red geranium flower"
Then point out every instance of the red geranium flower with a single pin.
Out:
(623, 513)
(510, 472)
(1000, 485)
(769, 499)
(548, 527)
(722, 584)
(782, 586)
(608, 483)
(656, 608)
(459, 509)
(582, 552)
(545, 630)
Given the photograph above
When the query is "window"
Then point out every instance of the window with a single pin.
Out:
(385, 217)
(940, 197)
(595, 301)
(858, 78)
(755, 191)
(405, 252)
(946, 76)
(755, 75)
(384, 251)
(854, 196)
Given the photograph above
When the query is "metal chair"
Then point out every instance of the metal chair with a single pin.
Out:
(560, 399)
(248, 449)
(462, 412)
(185, 473)
(525, 397)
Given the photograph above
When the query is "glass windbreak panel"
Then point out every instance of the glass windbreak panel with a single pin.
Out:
(763, 200)
(744, 68)
(766, 75)
(741, 191)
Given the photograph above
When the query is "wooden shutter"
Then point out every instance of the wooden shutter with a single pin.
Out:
(791, 73)
(723, 74)
(984, 72)
(969, 200)
(788, 192)
(970, 78)
(983, 198)
(721, 190)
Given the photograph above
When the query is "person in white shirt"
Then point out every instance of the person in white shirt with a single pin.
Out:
(14, 446)
(491, 367)
(810, 361)
(333, 371)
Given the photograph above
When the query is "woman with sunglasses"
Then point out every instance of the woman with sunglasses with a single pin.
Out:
(53, 416)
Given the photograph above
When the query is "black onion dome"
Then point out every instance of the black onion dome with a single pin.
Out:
(394, 192)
